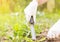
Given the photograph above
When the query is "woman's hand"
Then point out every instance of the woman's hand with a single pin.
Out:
(54, 31)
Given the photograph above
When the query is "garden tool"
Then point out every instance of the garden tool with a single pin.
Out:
(30, 13)
(32, 28)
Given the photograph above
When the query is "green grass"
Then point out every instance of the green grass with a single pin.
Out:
(19, 27)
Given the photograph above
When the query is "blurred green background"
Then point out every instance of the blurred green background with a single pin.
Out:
(13, 27)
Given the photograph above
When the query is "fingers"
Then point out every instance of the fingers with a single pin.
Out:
(54, 31)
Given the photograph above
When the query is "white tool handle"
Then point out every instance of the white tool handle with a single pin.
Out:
(33, 32)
